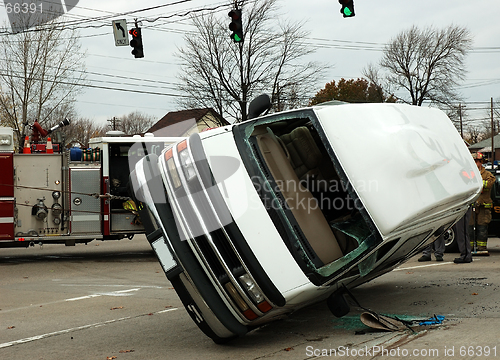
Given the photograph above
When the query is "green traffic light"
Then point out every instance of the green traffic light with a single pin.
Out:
(347, 11)
(237, 38)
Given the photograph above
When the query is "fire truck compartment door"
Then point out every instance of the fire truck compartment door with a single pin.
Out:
(6, 219)
(6, 175)
(85, 209)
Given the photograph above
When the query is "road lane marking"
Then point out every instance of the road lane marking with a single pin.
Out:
(422, 266)
(112, 285)
(77, 328)
(113, 293)
(164, 311)
(82, 297)
(427, 265)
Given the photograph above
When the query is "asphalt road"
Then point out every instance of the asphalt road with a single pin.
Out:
(111, 300)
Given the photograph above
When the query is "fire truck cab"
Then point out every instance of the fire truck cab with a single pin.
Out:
(70, 196)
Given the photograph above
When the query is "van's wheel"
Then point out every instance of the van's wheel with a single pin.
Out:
(338, 304)
(450, 240)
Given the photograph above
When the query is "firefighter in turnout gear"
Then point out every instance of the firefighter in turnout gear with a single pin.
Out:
(130, 206)
(478, 225)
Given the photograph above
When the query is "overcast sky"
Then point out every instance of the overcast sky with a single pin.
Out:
(348, 45)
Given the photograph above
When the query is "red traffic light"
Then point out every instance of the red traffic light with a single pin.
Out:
(235, 14)
(136, 42)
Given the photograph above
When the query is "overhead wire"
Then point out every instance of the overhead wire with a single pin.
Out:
(79, 23)
(83, 84)
(99, 87)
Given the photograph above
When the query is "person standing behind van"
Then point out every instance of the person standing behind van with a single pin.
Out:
(463, 240)
(438, 246)
(482, 209)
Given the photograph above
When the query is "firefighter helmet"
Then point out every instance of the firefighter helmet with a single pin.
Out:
(479, 156)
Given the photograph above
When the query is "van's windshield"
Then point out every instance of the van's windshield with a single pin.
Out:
(306, 194)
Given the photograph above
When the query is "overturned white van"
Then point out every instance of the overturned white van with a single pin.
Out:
(255, 220)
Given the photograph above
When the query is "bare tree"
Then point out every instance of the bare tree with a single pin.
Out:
(223, 75)
(372, 74)
(482, 129)
(427, 63)
(42, 73)
(4, 114)
(460, 117)
(81, 130)
(473, 134)
(135, 123)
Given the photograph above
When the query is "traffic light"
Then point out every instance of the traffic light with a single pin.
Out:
(347, 8)
(136, 42)
(235, 26)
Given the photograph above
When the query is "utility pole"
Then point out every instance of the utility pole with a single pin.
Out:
(113, 121)
(492, 136)
(461, 124)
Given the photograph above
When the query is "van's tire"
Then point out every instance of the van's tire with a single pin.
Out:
(450, 240)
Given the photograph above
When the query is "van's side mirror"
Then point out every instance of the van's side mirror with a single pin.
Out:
(258, 105)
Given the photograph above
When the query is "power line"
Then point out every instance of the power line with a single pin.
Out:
(79, 24)
(120, 105)
(97, 86)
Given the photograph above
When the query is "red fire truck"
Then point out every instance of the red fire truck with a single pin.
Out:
(49, 194)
